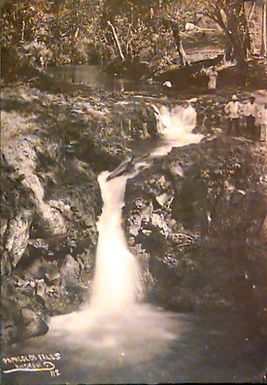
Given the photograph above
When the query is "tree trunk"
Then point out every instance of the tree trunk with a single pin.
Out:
(264, 29)
(116, 40)
(251, 11)
(231, 17)
(239, 32)
(179, 44)
(23, 31)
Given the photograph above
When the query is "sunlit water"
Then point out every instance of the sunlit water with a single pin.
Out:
(117, 338)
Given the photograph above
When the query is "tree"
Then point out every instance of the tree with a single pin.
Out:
(174, 26)
(231, 17)
(135, 14)
(114, 31)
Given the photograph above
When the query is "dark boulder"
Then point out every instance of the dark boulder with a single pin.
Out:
(198, 233)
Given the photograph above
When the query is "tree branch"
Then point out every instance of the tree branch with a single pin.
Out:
(116, 40)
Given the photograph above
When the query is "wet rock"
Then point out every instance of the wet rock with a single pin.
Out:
(36, 328)
(70, 269)
(17, 236)
(164, 200)
(52, 220)
(28, 316)
(176, 169)
(9, 332)
(51, 198)
(138, 120)
(159, 221)
(40, 288)
(38, 248)
(135, 224)
(52, 276)
(203, 226)
(61, 206)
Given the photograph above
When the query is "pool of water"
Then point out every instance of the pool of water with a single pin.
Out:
(217, 348)
(96, 77)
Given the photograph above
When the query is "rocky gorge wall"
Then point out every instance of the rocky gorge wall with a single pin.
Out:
(55, 141)
(196, 220)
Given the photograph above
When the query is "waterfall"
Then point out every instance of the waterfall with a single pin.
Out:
(114, 323)
(175, 126)
(116, 276)
(116, 281)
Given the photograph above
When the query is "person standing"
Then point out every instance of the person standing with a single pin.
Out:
(263, 123)
(232, 109)
(212, 75)
(250, 112)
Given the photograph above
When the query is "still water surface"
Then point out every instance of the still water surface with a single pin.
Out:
(95, 76)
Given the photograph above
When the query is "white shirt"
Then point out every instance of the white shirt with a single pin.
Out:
(212, 74)
(250, 109)
(263, 116)
(233, 109)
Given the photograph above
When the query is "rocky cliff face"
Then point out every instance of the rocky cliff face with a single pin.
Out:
(54, 146)
(196, 220)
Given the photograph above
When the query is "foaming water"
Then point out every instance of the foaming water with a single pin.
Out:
(116, 338)
(176, 126)
(116, 282)
(114, 320)
(138, 334)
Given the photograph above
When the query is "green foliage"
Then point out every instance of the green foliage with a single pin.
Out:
(48, 32)
(41, 32)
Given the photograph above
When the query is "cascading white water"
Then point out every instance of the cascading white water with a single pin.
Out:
(118, 339)
(114, 322)
(116, 276)
(176, 126)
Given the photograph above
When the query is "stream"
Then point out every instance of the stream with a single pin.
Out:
(118, 337)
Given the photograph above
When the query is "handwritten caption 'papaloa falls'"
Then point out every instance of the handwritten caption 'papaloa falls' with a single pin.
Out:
(41, 362)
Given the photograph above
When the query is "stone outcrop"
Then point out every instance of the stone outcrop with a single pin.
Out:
(196, 220)
(54, 146)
